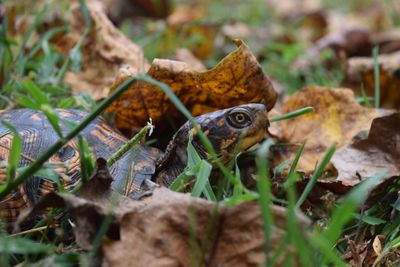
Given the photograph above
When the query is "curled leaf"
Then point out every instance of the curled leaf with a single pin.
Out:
(237, 79)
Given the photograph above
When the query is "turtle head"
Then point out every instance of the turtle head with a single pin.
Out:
(229, 130)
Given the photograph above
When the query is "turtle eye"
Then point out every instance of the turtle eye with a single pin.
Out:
(239, 118)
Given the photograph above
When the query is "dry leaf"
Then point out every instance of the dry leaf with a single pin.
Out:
(356, 253)
(348, 42)
(377, 246)
(174, 229)
(105, 51)
(184, 55)
(337, 117)
(186, 21)
(360, 71)
(237, 79)
(388, 41)
(168, 228)
(366, 157)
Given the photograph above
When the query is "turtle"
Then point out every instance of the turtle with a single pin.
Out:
(229, 130)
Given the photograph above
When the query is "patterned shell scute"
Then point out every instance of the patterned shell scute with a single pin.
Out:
(38, 135)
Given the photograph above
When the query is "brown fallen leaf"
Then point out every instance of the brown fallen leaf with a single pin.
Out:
(184, 55)
(168, 228)
(120, 10)
(367, 157)
(236, 80)
(174, 229)
(348, 42)
(388, 41)
(360, 71)
(336, 119)
(356, 253)
(104, 51)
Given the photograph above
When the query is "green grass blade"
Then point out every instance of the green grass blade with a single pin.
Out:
(353, 200)
(377, 91)
(264, 191)
(238, 187)
(34, 167)
(321, 244)
(180, 182)
(201, 178)
(291, 177)
(15, 152)
(174, 99)
(39, 100)
(52, 116)
(29, 32)
(129, 145)
(317, 173)
(75, 55)
(209, 193)
(246, 197)
(86, 164)
(292, 114)
(194, 158)
(45, 38)
(23, 246)
(294, 233)
(365, 97)
(35, 92)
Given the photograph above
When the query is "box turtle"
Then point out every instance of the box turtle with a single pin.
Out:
(224, 128)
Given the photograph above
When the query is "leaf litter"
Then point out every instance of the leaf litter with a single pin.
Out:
(366, 138)
(156, 230)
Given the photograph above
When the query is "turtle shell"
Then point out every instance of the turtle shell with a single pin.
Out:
(38, 135)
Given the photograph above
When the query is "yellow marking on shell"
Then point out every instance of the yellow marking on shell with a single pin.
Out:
(64, 113)
(29, 137)
(36, 117)
(47, 187)
(5, 142)
(111, 132)
(73, 165)
(3, 172)
(206, 132)
(140, 165)
(24, 195)
(12, 204)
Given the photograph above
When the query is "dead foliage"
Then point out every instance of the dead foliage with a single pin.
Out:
(360, 70)
(336, 119)
(168, 228)
(236, 80)
(175, 229)
(365, 157)
(105, 50)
